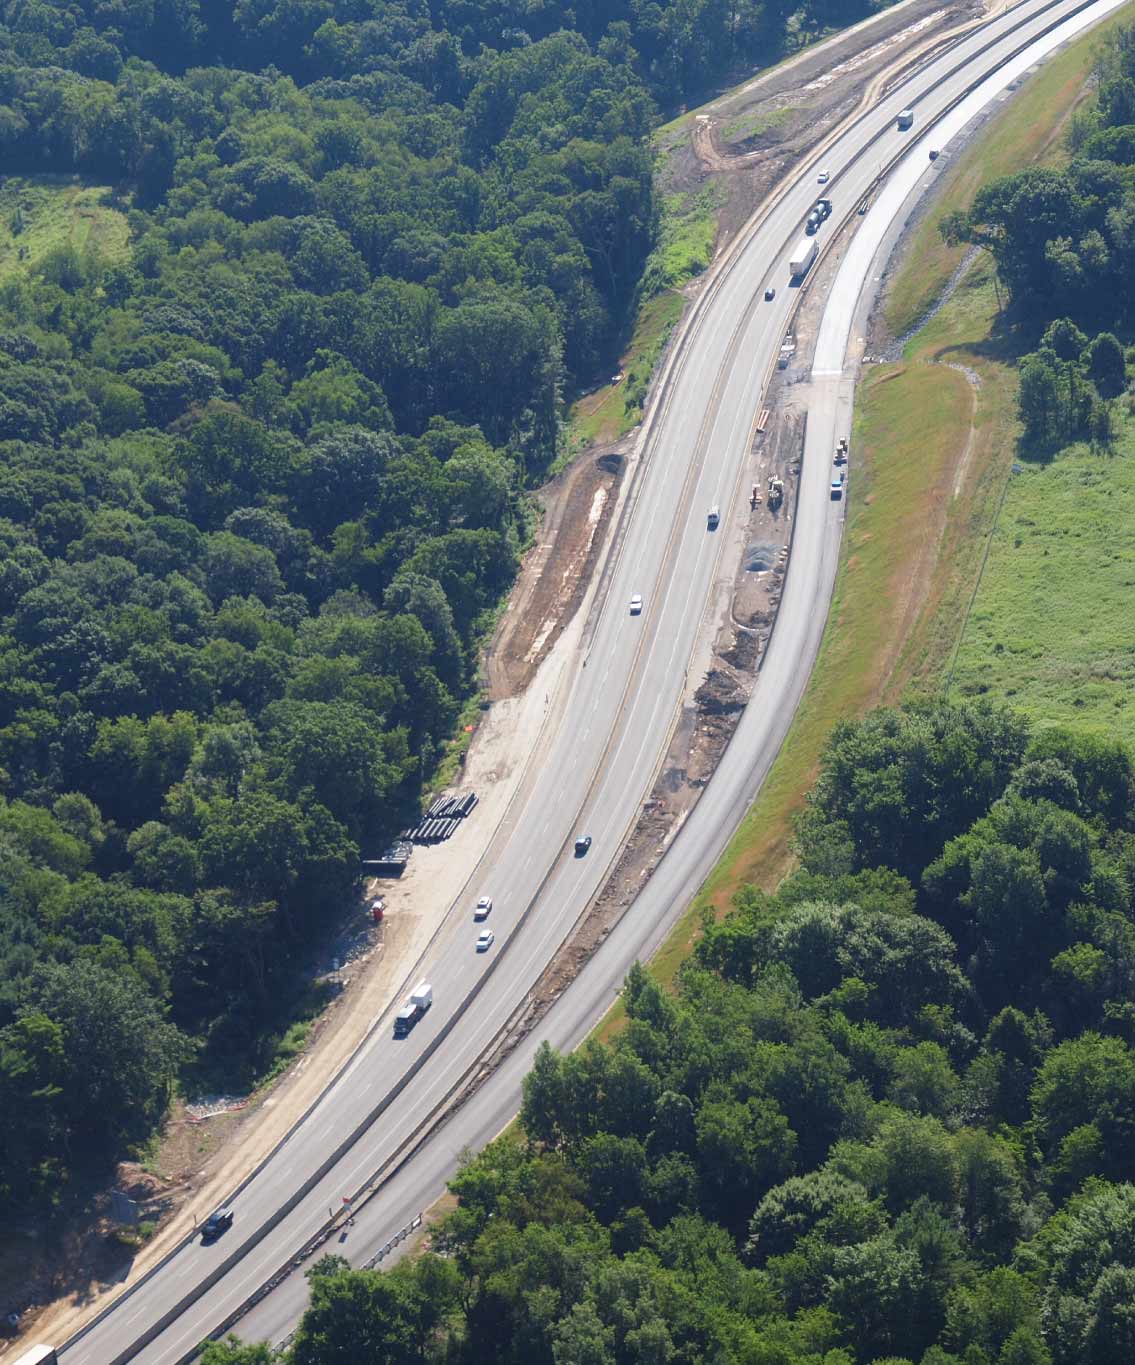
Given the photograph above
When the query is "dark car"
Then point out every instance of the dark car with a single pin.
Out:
(582, 844)
(770, 293)
(215, 1224)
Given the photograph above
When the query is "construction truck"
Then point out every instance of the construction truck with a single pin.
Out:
(775, 492)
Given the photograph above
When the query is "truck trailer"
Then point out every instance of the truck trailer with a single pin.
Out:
(802, 257)
(38, 1355)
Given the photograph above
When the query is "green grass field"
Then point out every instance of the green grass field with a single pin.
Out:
(1051, 625)
(41, 214)
(756, 124)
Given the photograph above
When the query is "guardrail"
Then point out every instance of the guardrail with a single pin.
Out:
(399, 1237)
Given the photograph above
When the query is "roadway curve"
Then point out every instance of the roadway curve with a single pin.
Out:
(612, 726)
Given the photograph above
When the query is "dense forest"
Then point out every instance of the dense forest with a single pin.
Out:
(261, 486)
(887, 1116)
(1063, 241)
(262, 477)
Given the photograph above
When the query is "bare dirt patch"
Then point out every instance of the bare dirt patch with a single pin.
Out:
(576, 510)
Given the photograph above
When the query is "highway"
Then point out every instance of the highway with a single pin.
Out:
(607, 733)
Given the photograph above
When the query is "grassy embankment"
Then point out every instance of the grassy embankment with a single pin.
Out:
(41, 215)
(1050, 629)
(926, 496)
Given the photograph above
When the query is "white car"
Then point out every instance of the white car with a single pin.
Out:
(483, 908)
(636, 604)
(485, 940)
(823, 178)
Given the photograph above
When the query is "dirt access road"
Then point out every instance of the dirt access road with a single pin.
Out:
(65, 1273)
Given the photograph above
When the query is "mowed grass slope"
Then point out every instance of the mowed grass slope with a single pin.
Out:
(1053, 624)
(43, 214)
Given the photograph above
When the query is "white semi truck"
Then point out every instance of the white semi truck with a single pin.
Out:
(802, 257)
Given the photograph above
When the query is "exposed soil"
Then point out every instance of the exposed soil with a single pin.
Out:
(576, 509)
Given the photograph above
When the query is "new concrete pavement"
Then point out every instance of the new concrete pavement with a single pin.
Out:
(611, 732)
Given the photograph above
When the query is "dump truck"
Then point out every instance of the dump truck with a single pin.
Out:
(421, 998)
(802, 258)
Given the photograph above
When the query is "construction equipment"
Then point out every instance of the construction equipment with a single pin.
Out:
(775, 492)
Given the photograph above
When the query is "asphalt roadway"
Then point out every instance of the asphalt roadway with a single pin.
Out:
(606, 736)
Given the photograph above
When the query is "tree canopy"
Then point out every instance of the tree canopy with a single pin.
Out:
(1063, 241)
